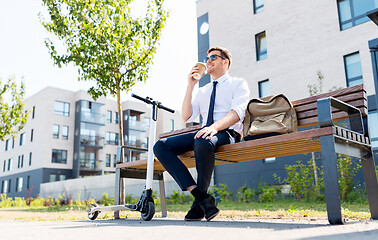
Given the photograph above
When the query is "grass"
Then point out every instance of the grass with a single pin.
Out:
(280, 209)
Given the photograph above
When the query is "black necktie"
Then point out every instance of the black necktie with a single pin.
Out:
(210, 117)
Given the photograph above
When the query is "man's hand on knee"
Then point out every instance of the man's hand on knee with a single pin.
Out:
(206, 132)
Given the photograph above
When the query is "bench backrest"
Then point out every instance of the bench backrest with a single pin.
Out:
(307, 112)
(306, 108)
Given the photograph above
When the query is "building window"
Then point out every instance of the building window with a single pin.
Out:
(114, 160)
(353, 69)
(258, 6)
(30, 159)
(5, 165)
(373, 129)
(12, 143)
(65, 132)
(172, 124)
(116, 119)
(62, 108)
(19, 161)
(269, 160)
(22, 161)
(264, 89)
(31, 135)
(28, 183)
(353, 12)
(59, 156)
(4, 186)
(55, 131)
(108, 160)
(33, 112)
(147, 122)
(261, 49)
(9, 185)
(52, 178)
(22, 139)
(112, 138)
(10, 164)
(7, 145)
(109, 116)
(19, 182)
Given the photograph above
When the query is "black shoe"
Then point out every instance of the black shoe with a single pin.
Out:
(195, 213)
(209, 206)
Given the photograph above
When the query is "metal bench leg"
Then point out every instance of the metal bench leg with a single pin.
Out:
(370, 177)
(163, 202)
(117, 191)
(331, 185)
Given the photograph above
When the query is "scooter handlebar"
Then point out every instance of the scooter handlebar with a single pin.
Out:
(166, 109)
(149, 101)
(146, 100)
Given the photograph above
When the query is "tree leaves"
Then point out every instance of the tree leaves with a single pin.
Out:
(106, 43)
(13, 115)
(102, 37)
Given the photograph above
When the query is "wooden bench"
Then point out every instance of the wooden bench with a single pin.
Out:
(320, 111)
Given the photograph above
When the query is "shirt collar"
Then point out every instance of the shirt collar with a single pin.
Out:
(221, 79)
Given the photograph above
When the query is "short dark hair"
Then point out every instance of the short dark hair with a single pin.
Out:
(224, 53)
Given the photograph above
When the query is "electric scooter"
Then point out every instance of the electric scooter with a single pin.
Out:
(145, 203)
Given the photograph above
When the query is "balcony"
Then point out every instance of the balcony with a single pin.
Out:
(89, 165)
(138, 144)
(137, 125)
(93, 118)
(92, 141)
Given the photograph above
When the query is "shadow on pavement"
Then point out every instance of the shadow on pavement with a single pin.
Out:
(369, 234)
(213, 224)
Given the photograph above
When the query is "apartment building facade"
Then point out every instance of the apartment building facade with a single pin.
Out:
(68, 136)
(282, 46)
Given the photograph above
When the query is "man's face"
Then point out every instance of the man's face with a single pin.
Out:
(217, 64)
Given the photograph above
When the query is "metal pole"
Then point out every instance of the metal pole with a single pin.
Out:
(151, 142)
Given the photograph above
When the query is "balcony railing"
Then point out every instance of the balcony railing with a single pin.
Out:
(137, 125)
(89, 164)
(93, 118)
(138, 144)
(95, 141)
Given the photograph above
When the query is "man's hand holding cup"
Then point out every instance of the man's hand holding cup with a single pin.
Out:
(197, 72)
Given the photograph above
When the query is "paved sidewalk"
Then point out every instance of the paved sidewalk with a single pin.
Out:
(176, 229)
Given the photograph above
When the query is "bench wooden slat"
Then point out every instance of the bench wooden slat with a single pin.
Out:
(336, 94)
(360, 104)
(350, 99)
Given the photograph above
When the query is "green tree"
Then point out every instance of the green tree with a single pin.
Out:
(13, 115)
(106, 43)
(315, 89)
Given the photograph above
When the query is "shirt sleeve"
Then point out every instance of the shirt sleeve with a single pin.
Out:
(195, 108)
(240, 98)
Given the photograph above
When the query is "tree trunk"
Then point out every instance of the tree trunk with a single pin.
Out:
(121, 143)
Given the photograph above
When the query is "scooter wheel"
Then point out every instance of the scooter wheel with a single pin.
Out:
(93, 215)
(149, 211)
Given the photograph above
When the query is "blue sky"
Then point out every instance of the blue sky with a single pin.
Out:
(23, 53)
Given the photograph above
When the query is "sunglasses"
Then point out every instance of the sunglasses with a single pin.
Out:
(212, 58)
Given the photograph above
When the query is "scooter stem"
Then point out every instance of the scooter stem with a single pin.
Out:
(151, 141)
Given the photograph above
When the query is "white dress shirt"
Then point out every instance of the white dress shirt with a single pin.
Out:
(231, 93)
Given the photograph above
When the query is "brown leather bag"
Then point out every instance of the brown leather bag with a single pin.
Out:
(272, 114)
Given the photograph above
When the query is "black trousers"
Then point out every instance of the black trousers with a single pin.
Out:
(167, 149)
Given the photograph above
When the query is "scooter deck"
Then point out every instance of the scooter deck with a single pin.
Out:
(132, 207)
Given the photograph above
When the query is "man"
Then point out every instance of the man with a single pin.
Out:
(222, 104)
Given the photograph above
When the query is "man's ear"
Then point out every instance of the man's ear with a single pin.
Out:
(227, 62)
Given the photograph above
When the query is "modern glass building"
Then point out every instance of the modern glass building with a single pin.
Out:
(68, 135)
(280, 47)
